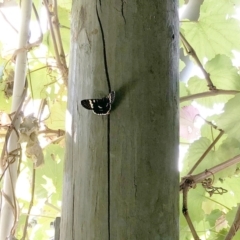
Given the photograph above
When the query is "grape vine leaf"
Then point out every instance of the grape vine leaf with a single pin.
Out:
(198, 85)
(227, 200)
(211, 218)
(5, 104)
(229, 148)
(57, 116)
(223, 74)
(216, 32)
(195, 200)
(38, 82)
(195, 151)
(229, 120)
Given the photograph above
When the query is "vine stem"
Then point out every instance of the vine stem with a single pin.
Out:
(208, 94)
(30, 204)
(189, 49)
(198, 178)
(206, 152)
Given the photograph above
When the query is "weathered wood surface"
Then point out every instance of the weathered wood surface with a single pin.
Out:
(141, 39)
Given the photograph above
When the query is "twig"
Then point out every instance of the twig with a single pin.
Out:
(62, 65)
(187, 185)
(29, 46)
(56, 24)
(189, 49)
(208, 94)
(52, 206)
(52, 33)
(206, 152)
(198, 178)
(16, 115)
(235, 226)
(30, 204)
(5, 18)
(39, 41)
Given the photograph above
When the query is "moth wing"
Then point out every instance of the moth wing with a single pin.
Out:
(87, 103)
(111, 96)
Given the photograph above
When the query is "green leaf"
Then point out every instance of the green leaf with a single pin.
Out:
(40, 231)
(227, 200)
(202, 228)
(223, 74)
(51, 172)
(38, 82)
(221, 235)
(195, 200)
(229, 120)
(5, 104)
(65, 4)
(195, 151)
(213, 216)
(227, 150)
(64, 19)
(215, 32)
(57, 116)
(198, 85)
(230, 216)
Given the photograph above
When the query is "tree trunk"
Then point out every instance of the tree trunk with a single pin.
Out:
(121, 171)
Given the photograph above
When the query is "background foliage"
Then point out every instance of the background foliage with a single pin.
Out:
(215, 40)
(46, 88)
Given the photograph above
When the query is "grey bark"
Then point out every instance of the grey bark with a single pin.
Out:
(141, 39)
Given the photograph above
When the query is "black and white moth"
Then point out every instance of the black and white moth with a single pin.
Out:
(100, 106)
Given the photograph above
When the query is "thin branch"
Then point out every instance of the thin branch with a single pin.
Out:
(39, 41)
(30, 204)
(235, 226)
(29, 46)
(62, 65)
(189, 49)
(208, 122)
(39, 215)
(198, 178)
(15, 118)
(52, 33)
(206, 152)
(52, 206)
(220, 204)
(5, 18)
(186, 187)
(56, 25)
(208, 94)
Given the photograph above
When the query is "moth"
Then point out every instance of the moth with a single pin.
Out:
(100, 106)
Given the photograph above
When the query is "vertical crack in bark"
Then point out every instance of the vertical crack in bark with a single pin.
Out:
(104, 51)
(122, 10)
(108, 126)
